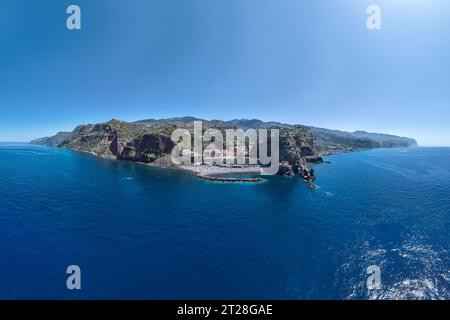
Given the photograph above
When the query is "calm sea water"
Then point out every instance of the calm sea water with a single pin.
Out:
(139, 232)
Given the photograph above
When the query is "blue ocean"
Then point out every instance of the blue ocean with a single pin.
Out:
(145, 233)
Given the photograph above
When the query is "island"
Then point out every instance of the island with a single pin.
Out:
(149, 142)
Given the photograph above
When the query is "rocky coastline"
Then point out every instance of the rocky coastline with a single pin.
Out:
(149, 142)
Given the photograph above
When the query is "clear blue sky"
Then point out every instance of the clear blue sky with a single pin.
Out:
(312, 62)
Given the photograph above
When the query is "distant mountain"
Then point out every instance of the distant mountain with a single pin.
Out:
(150, 140)
(257, 124)
(333, 141)
(387, 140)
(55, 140)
